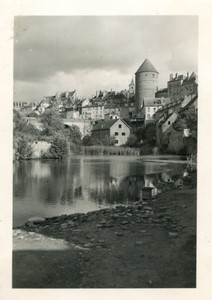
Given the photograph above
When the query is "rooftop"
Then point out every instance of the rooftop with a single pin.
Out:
(147, 67)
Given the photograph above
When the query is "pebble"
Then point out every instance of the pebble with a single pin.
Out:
(115, 216)
(119, 233)
(162, 209)
(103, 222)
(36, 219)
(71, 223)
(64, 225)
(88, 245)
(184, 206)
(147, 208)
(173, 234)
(139, 243)
(124, 222)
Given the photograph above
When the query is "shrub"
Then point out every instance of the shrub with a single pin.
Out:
(132, 140)
(23, 148)
(74, 135)
(58, 148)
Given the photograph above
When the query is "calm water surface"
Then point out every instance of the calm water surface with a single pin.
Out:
(82, 184)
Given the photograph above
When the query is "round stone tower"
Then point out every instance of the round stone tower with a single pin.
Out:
(146, 83)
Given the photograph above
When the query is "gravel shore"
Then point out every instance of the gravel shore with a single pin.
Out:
(148, 244)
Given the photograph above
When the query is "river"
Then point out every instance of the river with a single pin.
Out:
(84, 183)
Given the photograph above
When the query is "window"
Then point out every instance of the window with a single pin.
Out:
(116, 141)
(169, 122)
(120, 125)
(148, 109)
(116, 133)
(123, 133)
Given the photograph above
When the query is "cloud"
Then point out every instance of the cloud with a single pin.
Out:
(62, 47)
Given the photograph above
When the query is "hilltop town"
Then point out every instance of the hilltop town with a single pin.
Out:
(164, 120)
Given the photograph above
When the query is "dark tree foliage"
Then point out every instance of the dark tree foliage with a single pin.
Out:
(23, 149)
(132, 140)
(58, 148)
(52, 122)
(74, 135)
(150, 134)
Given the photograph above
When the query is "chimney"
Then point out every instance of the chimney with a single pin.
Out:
(176, 76)
(187, 75)
(171, 77)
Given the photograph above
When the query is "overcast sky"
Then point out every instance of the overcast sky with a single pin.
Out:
(91, 53)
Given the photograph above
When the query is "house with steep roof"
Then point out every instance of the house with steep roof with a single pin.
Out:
(116, 128)
(190, 85)
(180, 86)
(150, 107)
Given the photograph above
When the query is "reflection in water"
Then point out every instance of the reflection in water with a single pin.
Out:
(81, 184)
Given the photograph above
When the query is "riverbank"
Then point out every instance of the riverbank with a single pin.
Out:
(145, 245)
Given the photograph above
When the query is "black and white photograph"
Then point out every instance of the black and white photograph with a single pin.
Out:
(105, 150)
(105, 113)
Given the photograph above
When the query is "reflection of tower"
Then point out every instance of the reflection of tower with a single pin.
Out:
(146, 83)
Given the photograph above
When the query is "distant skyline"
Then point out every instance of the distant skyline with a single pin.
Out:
(90, 53)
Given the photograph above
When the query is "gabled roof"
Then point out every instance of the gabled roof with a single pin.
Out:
(105, 125)
(189, 103)
(147, 67)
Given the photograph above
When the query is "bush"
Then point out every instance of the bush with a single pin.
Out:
(150, 134)
(74, 135)
(52, 122)
(23, 149)
(58, 148)
(132, 140)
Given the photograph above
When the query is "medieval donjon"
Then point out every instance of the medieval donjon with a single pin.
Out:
(146, 83)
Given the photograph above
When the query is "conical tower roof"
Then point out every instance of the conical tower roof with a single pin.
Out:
(132, 81)
(147, 67)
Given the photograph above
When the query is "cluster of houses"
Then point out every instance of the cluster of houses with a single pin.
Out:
(111, 113)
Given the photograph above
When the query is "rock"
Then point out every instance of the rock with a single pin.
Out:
(147, 208)
(101, 241)
(150, 282)
(157, 221)
(36, 220)
(178, 183)
(145, 216)
(88, 245)
(125, 222)
(109, 224)
(99, 225)
(162, 209)
(64, 225)
(142, 231)
(138, 243)
(71, 223)
(184, 206)
(31, 224)
(119, 233)
(114, 216)
(103, 222)
(86, 259)
(173, 234)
